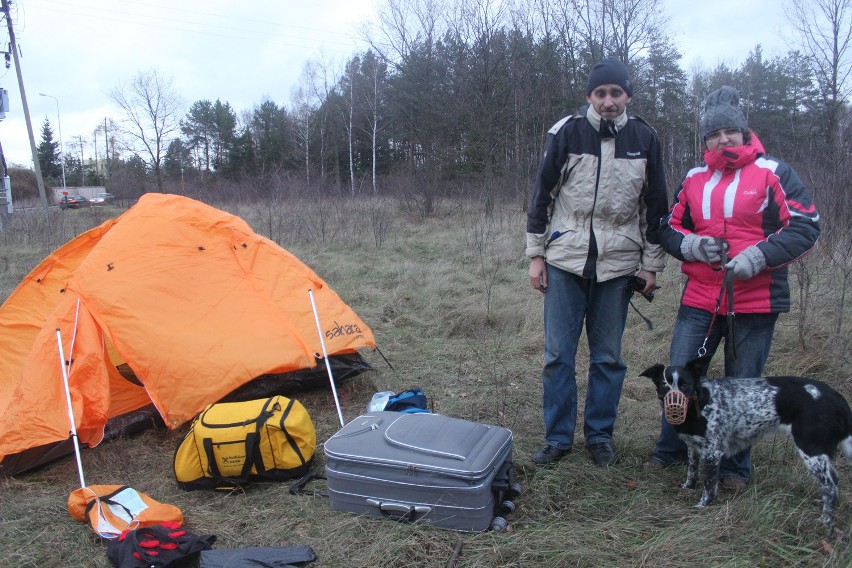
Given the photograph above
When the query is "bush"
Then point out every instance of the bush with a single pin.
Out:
(24, 184)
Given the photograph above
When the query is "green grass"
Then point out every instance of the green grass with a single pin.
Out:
(451, 307)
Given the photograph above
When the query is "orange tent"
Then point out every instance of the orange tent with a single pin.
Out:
(188, 296)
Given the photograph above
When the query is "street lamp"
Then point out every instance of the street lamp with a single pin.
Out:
(61, 151)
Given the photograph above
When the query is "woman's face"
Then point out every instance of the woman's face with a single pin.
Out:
(724, 138)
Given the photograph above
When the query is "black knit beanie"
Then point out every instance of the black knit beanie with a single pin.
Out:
(610, 71)
(721, 110)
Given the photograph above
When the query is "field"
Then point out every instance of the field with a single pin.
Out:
(448, 298)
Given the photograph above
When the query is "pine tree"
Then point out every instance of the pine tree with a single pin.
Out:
(48, 155)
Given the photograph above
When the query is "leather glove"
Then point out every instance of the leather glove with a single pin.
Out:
(702, 249)
(748, 263)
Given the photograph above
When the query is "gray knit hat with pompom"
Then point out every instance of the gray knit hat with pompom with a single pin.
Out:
(721, 110)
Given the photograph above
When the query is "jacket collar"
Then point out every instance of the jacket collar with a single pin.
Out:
(595, 119)
(730, 158)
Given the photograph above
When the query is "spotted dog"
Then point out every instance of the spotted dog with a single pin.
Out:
(725, 416)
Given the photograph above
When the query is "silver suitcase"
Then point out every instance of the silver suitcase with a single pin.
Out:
(423, 468)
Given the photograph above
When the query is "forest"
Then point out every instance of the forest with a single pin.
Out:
(454, 98)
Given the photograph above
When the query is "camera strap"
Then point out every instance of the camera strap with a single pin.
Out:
(648, 322)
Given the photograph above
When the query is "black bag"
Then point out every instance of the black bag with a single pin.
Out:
(156, 546)
(267, 556)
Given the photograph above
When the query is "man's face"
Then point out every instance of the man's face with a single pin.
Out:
(609, 101)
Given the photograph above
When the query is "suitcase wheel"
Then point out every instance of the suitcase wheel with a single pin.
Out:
(499, 524)
(515, 489)
(507, 507)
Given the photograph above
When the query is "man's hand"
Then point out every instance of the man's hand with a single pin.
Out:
(650, 281)
(538, 274)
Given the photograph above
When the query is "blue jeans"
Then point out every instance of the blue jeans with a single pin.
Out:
(568, 302)
(753, 340)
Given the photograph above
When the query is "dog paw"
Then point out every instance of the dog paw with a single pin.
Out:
(699, 505)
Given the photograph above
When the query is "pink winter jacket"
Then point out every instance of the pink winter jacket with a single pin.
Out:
(747, 198)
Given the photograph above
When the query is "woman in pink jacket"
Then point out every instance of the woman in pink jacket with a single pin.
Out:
(747, 215)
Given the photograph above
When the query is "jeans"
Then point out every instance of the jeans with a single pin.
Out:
(753, 334)
(568, 302)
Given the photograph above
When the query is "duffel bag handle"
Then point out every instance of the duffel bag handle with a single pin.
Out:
(253, 459)
(399, 511)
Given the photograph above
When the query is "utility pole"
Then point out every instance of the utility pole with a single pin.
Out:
(13, 47)
(82, 164)
(95, 140)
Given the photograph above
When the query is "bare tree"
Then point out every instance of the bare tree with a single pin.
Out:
(353, 67)
(403, 24)
(825, 31)
(374, 99)
(408, 38)
(318, 79)
(303, 110)
(634, 24)
(152, 110)
(825, 34)
(623, 28)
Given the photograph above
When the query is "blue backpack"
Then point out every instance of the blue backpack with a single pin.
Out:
(409, 401)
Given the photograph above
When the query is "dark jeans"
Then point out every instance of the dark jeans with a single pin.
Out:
(569, 302)
(754, 339)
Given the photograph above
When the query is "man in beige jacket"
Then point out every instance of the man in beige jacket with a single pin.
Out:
(591, 230)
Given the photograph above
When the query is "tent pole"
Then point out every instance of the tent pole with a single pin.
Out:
(70, 408)
(325, 356)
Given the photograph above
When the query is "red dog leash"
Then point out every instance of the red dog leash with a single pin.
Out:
(727, 287)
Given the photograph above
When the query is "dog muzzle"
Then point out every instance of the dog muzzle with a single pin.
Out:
(674, 405)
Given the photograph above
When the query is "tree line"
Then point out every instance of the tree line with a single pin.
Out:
(456, 96)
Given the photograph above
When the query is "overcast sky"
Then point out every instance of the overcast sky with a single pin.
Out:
(245, 52)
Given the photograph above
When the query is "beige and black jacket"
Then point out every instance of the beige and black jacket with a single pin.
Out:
(600, 194)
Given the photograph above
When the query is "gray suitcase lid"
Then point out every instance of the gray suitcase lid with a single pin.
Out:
(424, 441)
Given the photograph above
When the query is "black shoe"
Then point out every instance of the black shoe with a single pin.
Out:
(602, 453)
(548, 455)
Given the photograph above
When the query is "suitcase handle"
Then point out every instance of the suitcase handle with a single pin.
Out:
(399, 511)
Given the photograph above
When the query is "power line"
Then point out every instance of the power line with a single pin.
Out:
(202, 23)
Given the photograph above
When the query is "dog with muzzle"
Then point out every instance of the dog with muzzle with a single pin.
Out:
(721, 417)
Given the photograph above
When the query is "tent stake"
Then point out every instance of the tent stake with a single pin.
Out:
(70, 408)
(325, 356)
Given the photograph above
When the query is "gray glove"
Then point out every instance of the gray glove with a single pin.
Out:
(702, 249)
(748, 263)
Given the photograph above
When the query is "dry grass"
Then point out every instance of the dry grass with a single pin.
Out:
(451, 307)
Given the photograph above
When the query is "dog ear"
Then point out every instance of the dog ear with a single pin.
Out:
(655, 373)
(699, 366)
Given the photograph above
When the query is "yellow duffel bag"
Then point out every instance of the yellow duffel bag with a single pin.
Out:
(230, 444)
